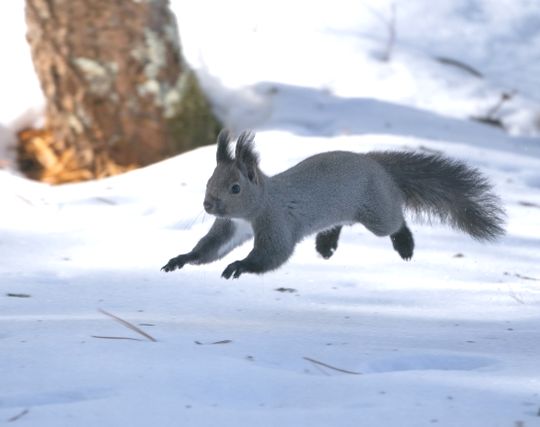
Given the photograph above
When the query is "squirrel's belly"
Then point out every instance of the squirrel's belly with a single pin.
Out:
(242, 231)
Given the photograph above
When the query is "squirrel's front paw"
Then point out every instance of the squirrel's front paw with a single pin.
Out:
(235, 270)
(174, 263)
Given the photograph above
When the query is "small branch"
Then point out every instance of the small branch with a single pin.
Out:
(528, 204)
(25, 200)
(488, 121)
(459, 64)
(116, 338)
(345, 371)
(18, 416)
(514, 296)
(505, 97)
(106, 201)
(128, 325)
(289, 290)
(14, 295)
(521, 276)
(213, 343)
(390, 24)
(492, 116)
(391, 27)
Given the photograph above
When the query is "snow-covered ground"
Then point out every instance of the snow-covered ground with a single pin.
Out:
(451, 338)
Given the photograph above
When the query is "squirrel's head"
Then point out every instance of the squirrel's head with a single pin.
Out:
(234, 189)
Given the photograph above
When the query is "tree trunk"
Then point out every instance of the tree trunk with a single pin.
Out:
(116, 87)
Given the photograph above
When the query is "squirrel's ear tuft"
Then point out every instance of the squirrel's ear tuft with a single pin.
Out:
(247, 159)
(224, 153)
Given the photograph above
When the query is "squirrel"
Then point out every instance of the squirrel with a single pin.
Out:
(326, 191)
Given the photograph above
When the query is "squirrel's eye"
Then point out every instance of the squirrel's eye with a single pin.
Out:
(235, 189)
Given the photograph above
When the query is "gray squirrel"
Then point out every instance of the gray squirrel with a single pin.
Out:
(328, 190)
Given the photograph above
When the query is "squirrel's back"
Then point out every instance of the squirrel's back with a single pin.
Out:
(337, 187)
(373, 189)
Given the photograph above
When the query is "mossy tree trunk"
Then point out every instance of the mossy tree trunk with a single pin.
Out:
(116, 87)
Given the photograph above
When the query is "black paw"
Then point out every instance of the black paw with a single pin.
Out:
(176, 263)
(235, 270)
(326, 242)
(403, 242)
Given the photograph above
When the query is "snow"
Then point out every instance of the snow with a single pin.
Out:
(449, 338)
(21, 98)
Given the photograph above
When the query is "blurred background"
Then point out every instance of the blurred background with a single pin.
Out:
(90, 89)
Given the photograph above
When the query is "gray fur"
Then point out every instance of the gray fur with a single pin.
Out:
(223, 153)
(224, 235)
(456, 194)
(328, 190)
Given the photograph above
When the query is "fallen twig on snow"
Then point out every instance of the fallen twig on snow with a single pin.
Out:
(326, 365)
(128, 325)
(19, 415)
(213, 343)
(521, 276)
(528, 204)
(116, 338)
(290, 290)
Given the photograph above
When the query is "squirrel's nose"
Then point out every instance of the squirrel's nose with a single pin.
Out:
(211, 204)
(207, 204)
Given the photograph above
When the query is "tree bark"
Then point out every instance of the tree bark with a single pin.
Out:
(116, 86)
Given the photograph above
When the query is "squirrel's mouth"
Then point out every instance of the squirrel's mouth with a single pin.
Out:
(213, 206)
(216, 211)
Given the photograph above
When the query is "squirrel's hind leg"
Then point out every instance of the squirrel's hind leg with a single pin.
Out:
(326, 242)
(403, 242)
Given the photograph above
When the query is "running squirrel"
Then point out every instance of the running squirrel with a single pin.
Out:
(326, 191)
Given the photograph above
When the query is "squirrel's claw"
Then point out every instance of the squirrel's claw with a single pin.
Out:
(173, 264)
(235, 270)
(170, 266)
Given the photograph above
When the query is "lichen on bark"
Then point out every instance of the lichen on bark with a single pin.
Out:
(192, 121)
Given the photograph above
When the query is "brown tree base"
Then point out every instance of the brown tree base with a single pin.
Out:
(39, 158)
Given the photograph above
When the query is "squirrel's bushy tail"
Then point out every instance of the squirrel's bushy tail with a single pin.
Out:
(447, 189)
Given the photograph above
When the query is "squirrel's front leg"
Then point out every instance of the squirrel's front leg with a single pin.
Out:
(223, 237)
(236, 269)
(271, 250)
(248, 265)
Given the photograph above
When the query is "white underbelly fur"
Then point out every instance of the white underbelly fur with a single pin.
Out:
(242, 232)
